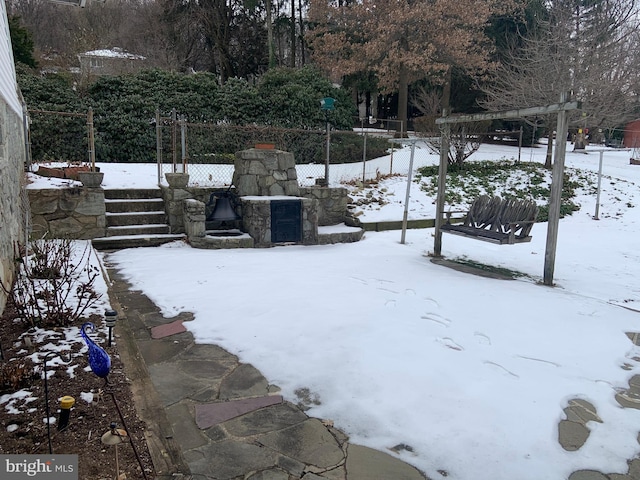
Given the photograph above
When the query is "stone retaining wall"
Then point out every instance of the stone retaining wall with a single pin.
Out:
(76, 212)
(12, 209)
(332, 203)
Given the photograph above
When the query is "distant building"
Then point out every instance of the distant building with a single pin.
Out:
(114, 61)
(632, 134)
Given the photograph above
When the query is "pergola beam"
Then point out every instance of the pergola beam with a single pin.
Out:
(517, 113)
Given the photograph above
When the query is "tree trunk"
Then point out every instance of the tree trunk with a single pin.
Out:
(302, 43)
(292, 60)
(272, 56)
(547, 161)
(403, 100)
(446, 93)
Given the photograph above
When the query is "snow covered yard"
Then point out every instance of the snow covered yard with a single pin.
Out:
(471, 374)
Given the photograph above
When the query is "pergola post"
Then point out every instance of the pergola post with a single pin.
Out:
(555, 200)
(445, 131)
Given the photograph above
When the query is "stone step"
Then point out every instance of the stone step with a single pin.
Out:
(133, 241)
(148, 229)
(135, 218)
(131, 193)
(339, 234)
(134, 205)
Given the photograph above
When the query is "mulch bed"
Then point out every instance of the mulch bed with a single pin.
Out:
(25, 432)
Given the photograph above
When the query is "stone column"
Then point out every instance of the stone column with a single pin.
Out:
(174, 199)
(194, 218)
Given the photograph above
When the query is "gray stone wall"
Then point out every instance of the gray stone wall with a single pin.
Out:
(332, 203)
(13, 208)
(76, 212)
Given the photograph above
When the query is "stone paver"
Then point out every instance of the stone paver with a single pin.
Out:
(171, 382)
(634, 468)
(272, 474)
(244, 381)
(274, 418)
(168, 329)
(581, 411)
(310, 442)
(210, 414)
(628, 400)
(366, 464)
(229, 459)
(186, 433)
(571, 435)
(587, 475)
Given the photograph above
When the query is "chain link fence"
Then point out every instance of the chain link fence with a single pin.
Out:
(73, 142)
(207, 151)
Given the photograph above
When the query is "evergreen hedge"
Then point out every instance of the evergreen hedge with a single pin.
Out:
(125, 109)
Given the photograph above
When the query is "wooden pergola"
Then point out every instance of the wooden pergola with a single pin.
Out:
(562, 108)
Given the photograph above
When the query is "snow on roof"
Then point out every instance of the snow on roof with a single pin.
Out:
(8, 84)
(113, 53)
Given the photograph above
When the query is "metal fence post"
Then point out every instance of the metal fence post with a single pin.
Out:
(174, 139)
(90, 140)
(364, 152)
(326, 163)
(183, 143)
(159, 144)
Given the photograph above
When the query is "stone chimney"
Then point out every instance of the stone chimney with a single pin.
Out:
(265, 172)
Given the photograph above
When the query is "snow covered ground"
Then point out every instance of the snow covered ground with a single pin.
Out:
(471, 373)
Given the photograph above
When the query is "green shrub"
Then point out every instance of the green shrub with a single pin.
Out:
(508, 179)
(125, 111)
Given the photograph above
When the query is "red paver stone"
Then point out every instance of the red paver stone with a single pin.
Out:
(167, 330)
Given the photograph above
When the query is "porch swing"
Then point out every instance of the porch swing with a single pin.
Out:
(505, 221)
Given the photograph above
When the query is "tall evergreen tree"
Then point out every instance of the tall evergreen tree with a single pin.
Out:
(21, 42)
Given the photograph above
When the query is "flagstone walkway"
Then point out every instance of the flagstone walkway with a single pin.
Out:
(211, 416)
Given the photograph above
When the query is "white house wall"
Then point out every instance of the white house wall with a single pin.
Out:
(8, 89)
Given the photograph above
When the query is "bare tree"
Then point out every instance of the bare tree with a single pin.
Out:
(61, 32)
(589, 49)
(464, 139)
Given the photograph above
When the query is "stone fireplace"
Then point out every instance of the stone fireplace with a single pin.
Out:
(274, 210)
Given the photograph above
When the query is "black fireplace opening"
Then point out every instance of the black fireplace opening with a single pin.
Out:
(286, 221)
